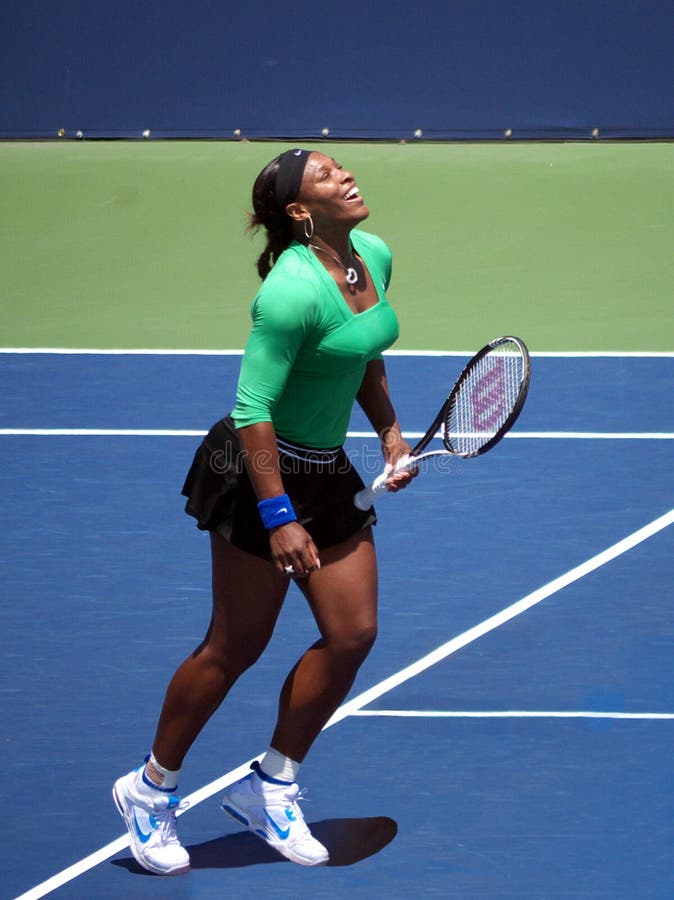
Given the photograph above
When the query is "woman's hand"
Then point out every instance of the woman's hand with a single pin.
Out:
(293, 551)
(394, 446)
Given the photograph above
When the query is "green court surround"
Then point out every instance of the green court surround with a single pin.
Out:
(143, 244)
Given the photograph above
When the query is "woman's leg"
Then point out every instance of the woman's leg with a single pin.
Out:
(343, 598)
(248, 595)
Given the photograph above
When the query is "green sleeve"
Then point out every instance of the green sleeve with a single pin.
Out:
(284, 312)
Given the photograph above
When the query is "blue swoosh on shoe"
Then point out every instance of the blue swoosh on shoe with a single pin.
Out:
(144, 838)
(282, 833)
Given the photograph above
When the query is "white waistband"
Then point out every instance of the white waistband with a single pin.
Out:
(309, 454)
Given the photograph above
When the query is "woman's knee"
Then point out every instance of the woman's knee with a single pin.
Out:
(356, 642)
(231, 660)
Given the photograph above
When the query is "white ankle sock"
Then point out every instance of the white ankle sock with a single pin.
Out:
(279, 767)
(155, 775)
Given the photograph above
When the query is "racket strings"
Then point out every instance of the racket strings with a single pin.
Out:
(485, 399)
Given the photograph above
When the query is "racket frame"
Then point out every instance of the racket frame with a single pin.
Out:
(443, 415)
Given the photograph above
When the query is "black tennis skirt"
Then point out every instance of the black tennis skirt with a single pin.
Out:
(320, 483)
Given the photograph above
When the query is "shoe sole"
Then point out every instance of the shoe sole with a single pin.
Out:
(282, 849)
(122, 810)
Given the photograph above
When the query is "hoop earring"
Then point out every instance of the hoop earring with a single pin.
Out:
(308, 234)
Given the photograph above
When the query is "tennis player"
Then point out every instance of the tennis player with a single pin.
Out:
(274, 487)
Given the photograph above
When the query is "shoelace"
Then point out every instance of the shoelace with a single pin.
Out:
(166, 822)
(301, 826)
(289, 799)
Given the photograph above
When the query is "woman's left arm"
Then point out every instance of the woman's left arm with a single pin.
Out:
(375, 401)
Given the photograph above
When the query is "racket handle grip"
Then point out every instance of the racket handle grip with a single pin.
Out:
(365, 498)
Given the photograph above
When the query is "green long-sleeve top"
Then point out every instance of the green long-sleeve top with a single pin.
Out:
(307, 351)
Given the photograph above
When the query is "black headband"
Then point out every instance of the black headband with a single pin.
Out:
(289, 176)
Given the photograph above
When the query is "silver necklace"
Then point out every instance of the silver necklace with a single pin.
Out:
(351, 274)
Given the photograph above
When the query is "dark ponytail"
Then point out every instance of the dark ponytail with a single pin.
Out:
(267, 215)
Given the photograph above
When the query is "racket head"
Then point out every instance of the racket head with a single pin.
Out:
(487, 398)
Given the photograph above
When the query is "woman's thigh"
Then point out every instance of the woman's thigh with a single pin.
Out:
(248, 594)
(342, 594)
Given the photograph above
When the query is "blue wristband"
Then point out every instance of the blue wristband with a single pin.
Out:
(276, 511)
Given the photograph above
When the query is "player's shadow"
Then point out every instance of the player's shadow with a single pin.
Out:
(348, 841)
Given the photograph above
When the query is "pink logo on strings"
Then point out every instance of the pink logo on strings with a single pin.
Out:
(487, 397)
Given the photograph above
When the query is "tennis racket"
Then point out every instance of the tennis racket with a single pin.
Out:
(483, 406)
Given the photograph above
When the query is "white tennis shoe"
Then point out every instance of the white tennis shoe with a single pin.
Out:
(272, 812)
(150, 818)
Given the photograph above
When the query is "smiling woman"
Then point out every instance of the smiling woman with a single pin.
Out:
(334, 197)
(274, 487)
(329, 207)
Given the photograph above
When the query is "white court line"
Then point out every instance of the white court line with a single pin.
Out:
(183, 432)
(553, 354)
(550, 354)
(594, 435)
(353, 706)
(506, 714)
(549, 435)
(103, 351)
(504, 616)
(101, 432)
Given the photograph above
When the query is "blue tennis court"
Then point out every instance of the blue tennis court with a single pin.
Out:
(510, 734)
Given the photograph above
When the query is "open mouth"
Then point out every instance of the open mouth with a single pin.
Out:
(352, 194)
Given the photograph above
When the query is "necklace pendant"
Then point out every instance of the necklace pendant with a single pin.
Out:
(351, 276)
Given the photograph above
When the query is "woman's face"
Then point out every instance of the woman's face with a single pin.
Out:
(330, 193)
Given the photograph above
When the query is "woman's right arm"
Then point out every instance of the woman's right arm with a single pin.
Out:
(282, 315)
